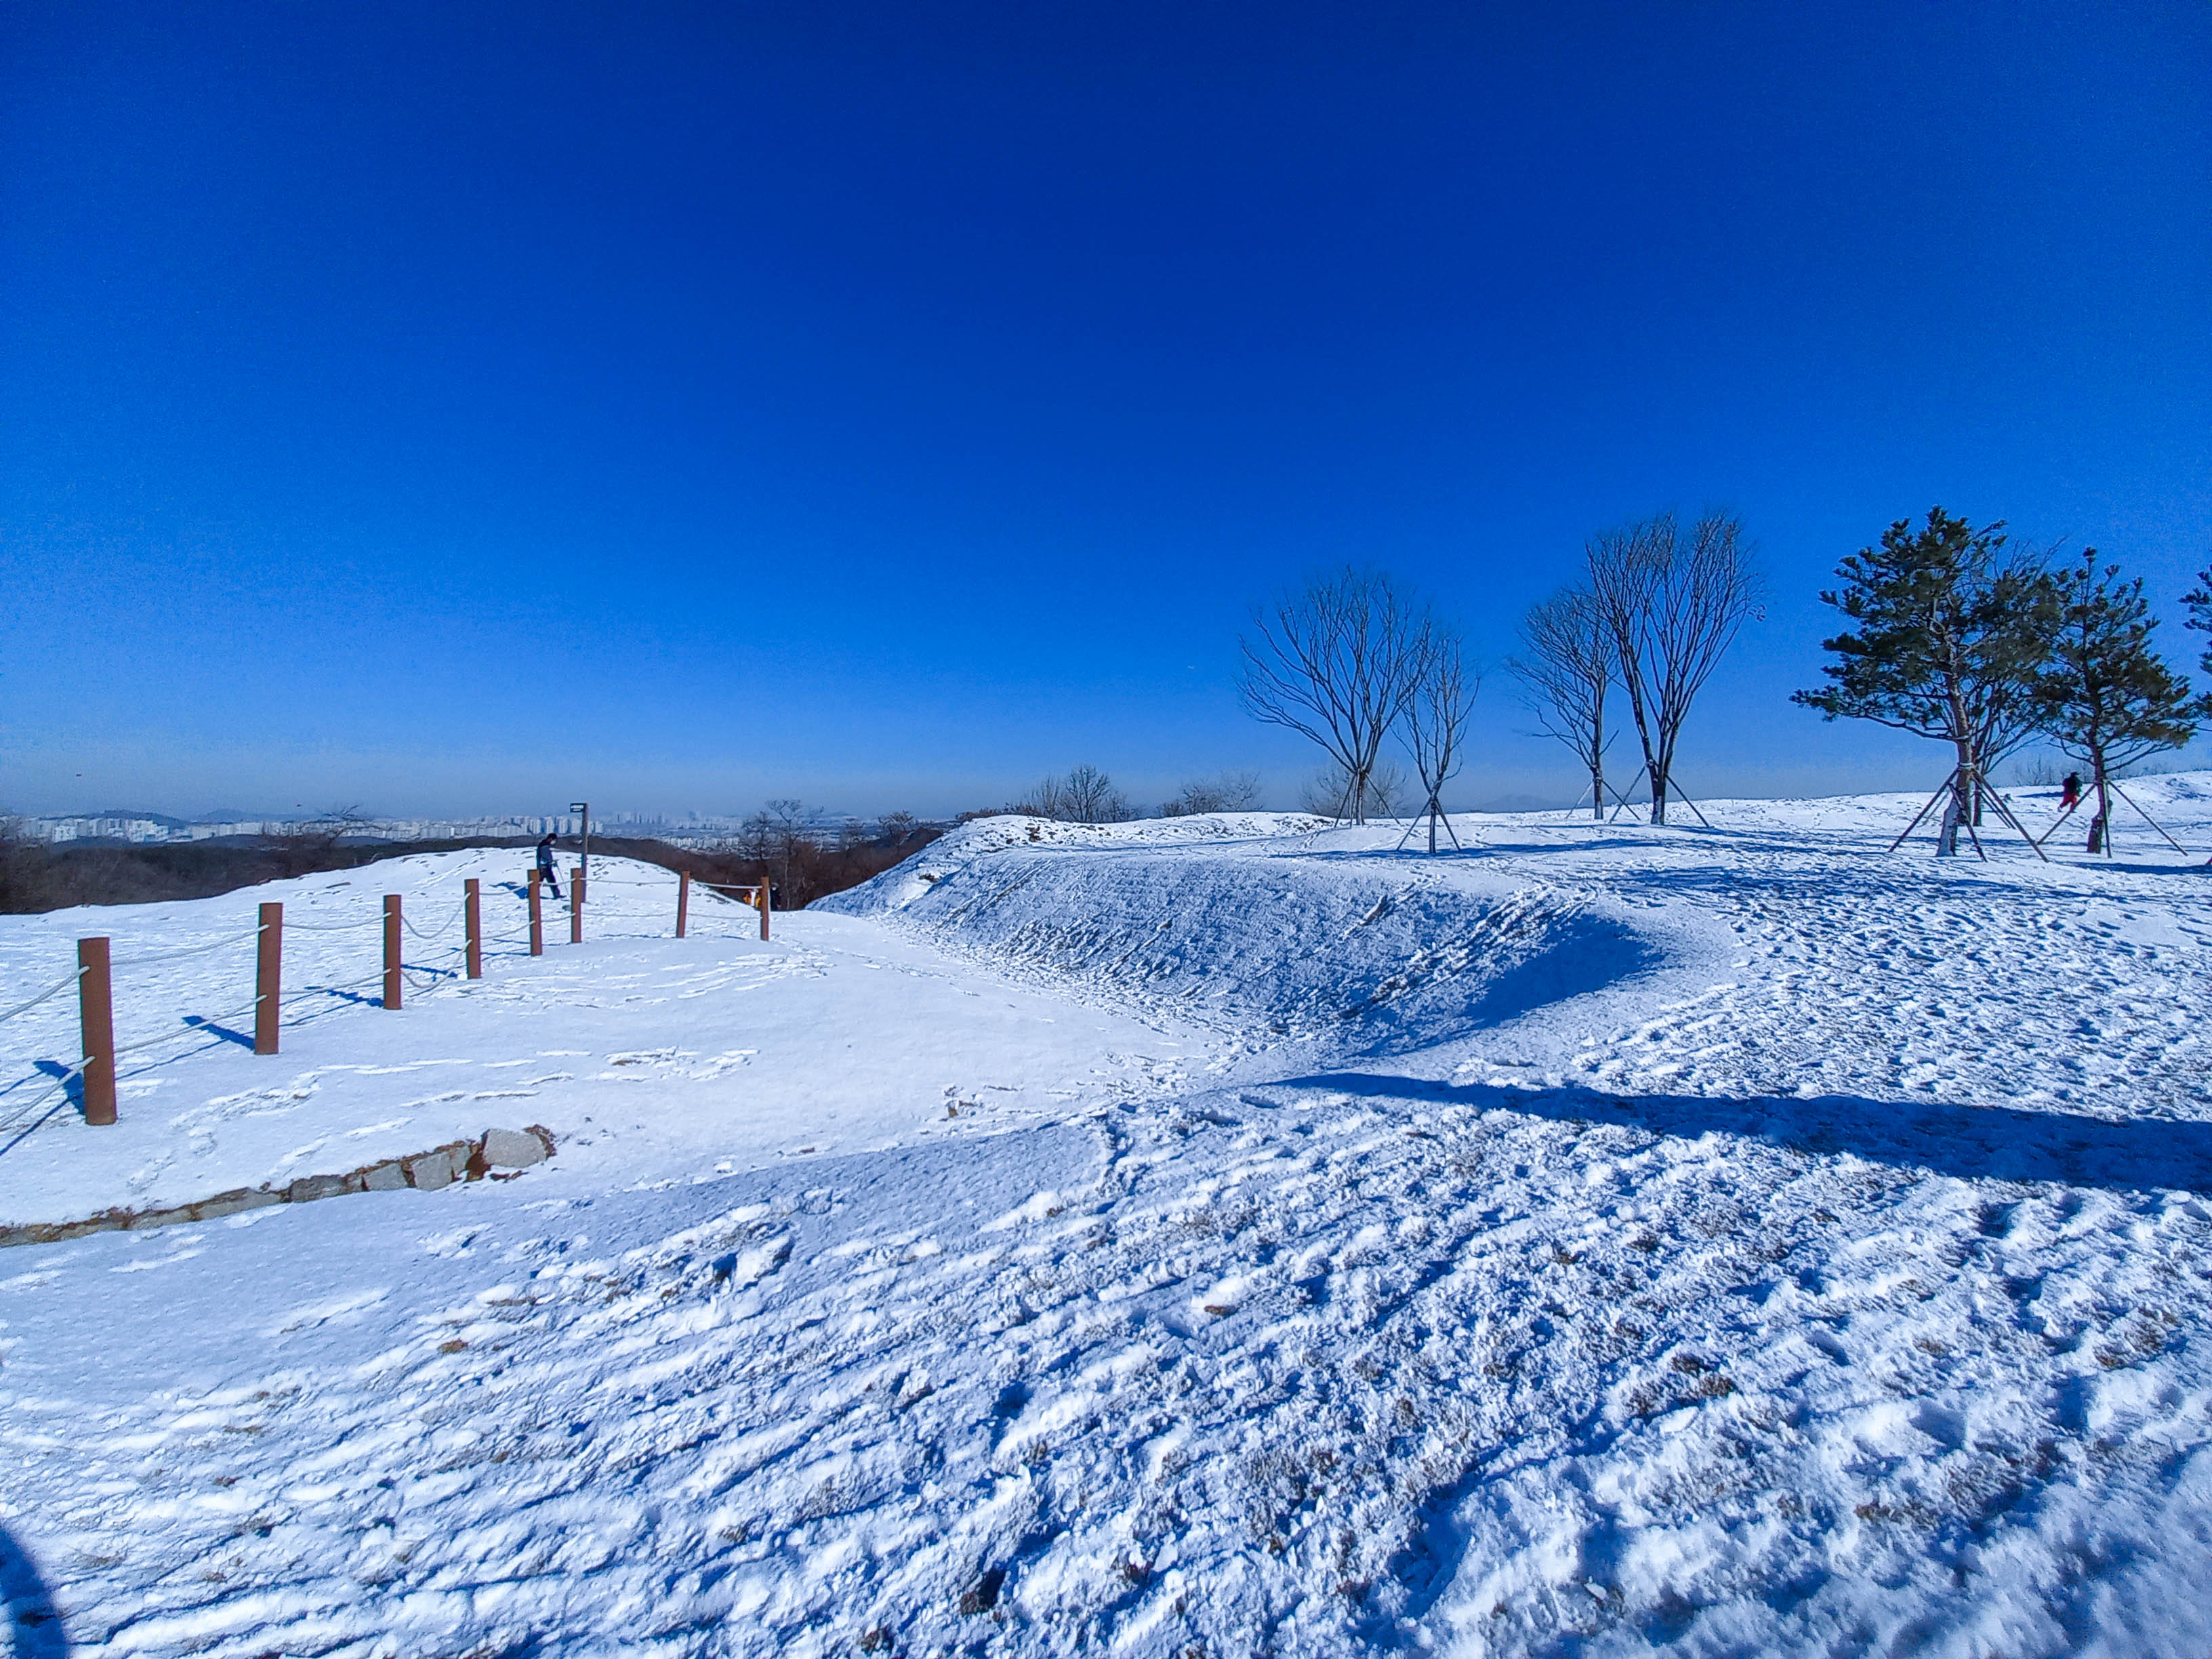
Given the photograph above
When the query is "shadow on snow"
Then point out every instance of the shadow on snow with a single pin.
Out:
(1972, 1143)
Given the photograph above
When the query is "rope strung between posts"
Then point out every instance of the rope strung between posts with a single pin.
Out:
(60, 1086)
(459, 915)
(222, 944)
(306, 991)
(198, 1028)
(53, 990)
(443, 968)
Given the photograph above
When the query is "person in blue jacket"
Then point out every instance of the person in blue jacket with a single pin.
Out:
(545, 864)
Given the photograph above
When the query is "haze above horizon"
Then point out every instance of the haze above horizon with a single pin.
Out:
(461, 410)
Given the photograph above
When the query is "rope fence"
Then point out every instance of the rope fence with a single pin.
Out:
(46, 995)
(94, 1070)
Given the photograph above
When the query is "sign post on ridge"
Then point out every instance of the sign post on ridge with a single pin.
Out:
(584, 808)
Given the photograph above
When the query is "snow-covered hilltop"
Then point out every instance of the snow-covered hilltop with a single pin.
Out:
(1227, 1234)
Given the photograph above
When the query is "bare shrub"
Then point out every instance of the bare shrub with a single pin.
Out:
(801, 855)
(1083, 794)
(1327, 790)
(1230, 792)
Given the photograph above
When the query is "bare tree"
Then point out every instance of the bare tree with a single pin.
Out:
(1231, 792)
(1564, 666)
(1673, 605)
(1435, 722)
(897, 828)
(1084, 795)
(779, 832)
(1336, 663)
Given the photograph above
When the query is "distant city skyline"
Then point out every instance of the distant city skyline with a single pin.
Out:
(443, 410)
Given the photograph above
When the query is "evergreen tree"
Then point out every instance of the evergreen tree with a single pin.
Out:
(2108, 699)
(1952, 633)
(2199, 601)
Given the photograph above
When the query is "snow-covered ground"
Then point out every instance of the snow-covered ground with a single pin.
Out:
(1221, 1236)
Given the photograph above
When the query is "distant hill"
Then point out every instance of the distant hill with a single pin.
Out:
(161, 818)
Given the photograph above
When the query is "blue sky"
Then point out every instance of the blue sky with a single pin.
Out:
(473, 408)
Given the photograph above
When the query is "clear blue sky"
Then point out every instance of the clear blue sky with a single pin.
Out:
(456, 407)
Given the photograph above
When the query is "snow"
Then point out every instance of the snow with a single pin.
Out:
(1229, 1235)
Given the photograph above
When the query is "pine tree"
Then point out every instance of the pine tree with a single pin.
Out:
(2199, 601)
(2108, 699)
(1952, 632)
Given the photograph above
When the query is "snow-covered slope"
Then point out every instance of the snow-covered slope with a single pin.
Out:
(1263, 925)
(1227, 1236)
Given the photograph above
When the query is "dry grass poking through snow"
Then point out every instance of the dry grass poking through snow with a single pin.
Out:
(1754, 1247)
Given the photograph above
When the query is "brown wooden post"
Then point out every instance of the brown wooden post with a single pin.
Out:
(96, 1008)
(392, 987)
(683, 902)
(536, 914)
(472, 910)
(269, 979)
(764, 905)
(576, 906)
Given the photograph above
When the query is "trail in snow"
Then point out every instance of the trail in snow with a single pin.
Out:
(1608, 1242)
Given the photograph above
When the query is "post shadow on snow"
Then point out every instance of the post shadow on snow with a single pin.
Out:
(13, 1132)
(1973, 1143)
(72, 1080)
(222, 1031)
(33, 1627)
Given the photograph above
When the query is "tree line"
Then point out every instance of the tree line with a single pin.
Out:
(1354, 656)
(1961, 635)
(1956, 633)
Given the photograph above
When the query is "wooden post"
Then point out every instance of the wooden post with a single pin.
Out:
(392, 987)
(269, 979)
(536, 914)
(95, 1007)
(683, 902)
(576, 906)
(473, 913)
(764, 902)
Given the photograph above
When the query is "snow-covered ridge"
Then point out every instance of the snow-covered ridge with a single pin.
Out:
(1255, 920)
(1828, 1278)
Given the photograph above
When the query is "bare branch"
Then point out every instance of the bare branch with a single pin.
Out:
(1673, 606)
(1336, 663)
(1564, 666)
